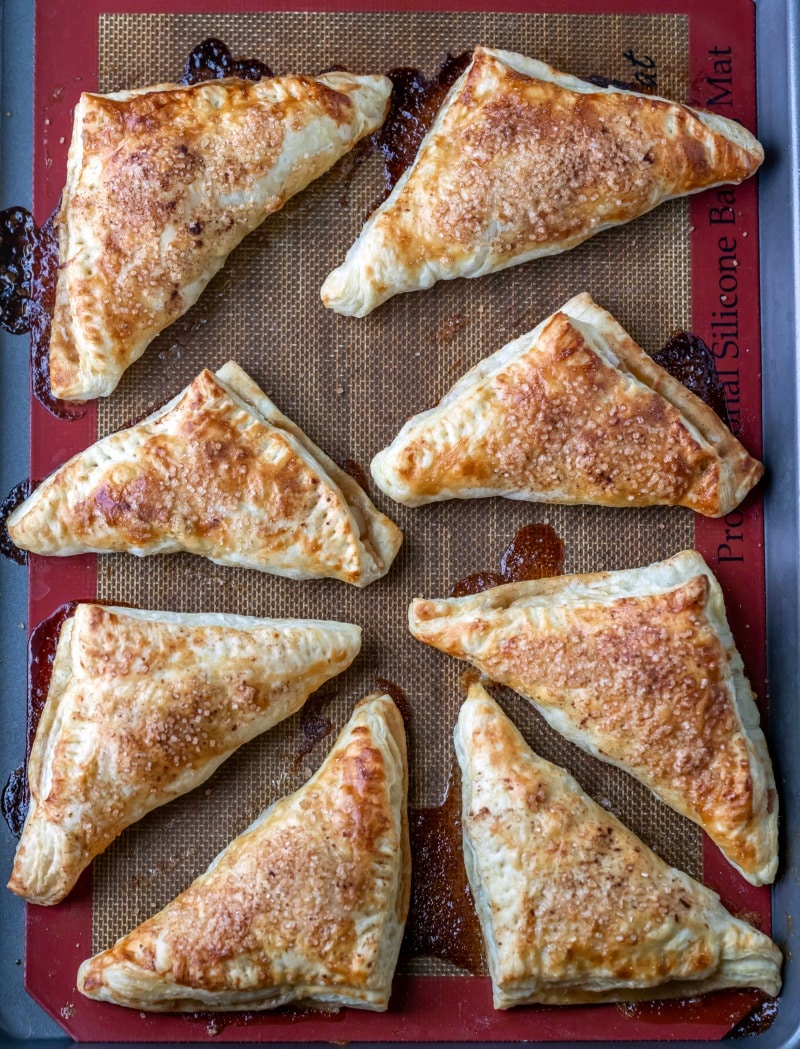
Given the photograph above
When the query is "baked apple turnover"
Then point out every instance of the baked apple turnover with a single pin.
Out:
(308, 905)
(143, 707)
(574, 908)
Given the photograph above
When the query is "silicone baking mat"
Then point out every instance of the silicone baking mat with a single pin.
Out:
(350, 385)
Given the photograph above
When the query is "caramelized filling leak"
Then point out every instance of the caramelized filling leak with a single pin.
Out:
(15, 800)
(212, 60)
(357, 472)
(392, 689)
(315, 724)
(414, 104)
(535, 552)
(216, 1023)
(689, 360)
(18, 494)
(759, 1019)
(451, 328)
(442, 922)
(476, 584)
(750, 1011)
(41, 653)
(19, 237)
(28, 271)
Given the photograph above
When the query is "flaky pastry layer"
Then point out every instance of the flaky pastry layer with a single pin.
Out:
(523, 161)
(162, 183)
(571, 412)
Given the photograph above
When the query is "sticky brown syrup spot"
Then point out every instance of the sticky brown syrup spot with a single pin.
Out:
(41, 653)
(469, 677)
(18, 494)
(689, 360)
(215, 1023)
(315, 724)
(28, 273)
(392, 689)
(19, 237)
(733, 1007)
(212, 60)
(451, 328)
(15, 800)
(476, 584)
(442, 922)
(414, 104)
(357, 472)
(535, 552)
(759, 1019)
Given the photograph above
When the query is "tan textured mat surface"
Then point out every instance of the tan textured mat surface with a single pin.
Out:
(350, 384)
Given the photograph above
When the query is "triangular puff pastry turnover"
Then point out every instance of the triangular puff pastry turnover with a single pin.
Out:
(523, 161)
(574, 908)
(143, 707)
(308, 905)
(163, 183)
(571, 412)
(217, 471)
(638, 668)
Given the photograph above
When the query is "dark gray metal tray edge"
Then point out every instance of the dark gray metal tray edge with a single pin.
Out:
(22, 1022)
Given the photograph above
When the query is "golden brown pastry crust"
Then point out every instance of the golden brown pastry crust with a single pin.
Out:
(640, 669)
(307, 905)
(163, 183)
(523, 161)
(143, 707)
(218, 471)
(572, 412)
(573, 907)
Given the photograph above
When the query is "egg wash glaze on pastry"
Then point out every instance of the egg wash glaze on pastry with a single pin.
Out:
(162, 183)
(574, 908)
(571, 412)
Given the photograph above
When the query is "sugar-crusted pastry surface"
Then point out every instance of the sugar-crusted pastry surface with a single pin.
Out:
(218, 471)
(571, 412)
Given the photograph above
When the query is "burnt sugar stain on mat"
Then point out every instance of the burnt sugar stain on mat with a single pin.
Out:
(350, 384)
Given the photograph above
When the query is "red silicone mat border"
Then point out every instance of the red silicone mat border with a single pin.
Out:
(429, 1008)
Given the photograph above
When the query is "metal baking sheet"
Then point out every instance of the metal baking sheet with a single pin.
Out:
(783, 572)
